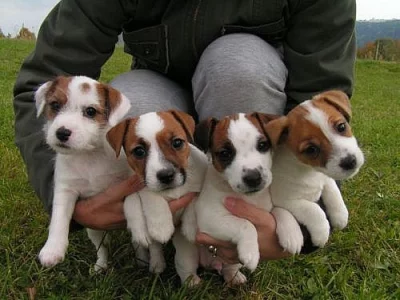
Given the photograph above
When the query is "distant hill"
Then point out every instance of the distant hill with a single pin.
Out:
(369, 31)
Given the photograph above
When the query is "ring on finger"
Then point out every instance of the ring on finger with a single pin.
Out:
(213, 250)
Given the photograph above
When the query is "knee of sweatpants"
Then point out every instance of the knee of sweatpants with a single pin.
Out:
(150, 91)
(239, 73)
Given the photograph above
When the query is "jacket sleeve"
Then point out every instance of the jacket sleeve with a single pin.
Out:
(320, 48)
(76, 38)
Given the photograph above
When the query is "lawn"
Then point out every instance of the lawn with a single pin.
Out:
(360, 262)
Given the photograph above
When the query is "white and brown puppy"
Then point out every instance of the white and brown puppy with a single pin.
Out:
(314, 147)
(241, 159)
(159, 150)
(79, 111)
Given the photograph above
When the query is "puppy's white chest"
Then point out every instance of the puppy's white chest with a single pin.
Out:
(89, 174)
(292, 181)
(210, 204)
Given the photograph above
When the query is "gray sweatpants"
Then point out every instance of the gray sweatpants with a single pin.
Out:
(236, 73)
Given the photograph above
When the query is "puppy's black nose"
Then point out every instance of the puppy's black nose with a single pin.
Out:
(63, 134)
(252, 178)
(166, 176)
(348, 163)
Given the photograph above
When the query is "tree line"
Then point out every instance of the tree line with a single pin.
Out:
(381, 49)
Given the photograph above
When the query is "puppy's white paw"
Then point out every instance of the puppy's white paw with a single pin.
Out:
(320, 234)
(52, 254)
(161, 230)
(193, 281)
(189, 232)
(236, 278)
(340, 219)
(141, 255)
(249, 255)
(291, 240)
(157, 264)
(141, 238)
(100, 266)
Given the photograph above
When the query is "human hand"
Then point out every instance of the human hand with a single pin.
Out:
(263, 221)
(177, 204)
(105, 211)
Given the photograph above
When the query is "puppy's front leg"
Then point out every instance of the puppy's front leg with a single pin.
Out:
(158, 216)
(135, 220)
(186, 259)
(54, 250)
(157, 262)
(313, 217)
(288, 230)
(101, 240)
(189, 222)
(335, 206)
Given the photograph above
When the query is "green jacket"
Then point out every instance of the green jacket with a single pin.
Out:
(78, 37)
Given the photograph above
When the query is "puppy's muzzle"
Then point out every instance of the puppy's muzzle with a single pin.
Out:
(166, 176)
(348, 163)
(63, 134)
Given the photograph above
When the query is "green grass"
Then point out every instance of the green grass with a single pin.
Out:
(361, 262)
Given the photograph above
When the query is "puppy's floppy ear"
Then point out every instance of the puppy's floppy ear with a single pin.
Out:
(204, 132)
(116, 104)
(116, 136)
(186, 121)
(40, 97)
(277, 130)
(263, 119)
(337, 99)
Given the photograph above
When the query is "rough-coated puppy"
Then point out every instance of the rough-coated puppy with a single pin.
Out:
(314, 147)
(159, 150)
(240, 161)
(79, 112)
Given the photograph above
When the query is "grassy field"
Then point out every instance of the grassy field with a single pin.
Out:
(361, 262)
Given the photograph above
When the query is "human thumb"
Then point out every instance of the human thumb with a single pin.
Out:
(242, 209)
(125, 188)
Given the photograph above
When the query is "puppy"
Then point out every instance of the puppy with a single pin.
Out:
(314, 147)
(159, 150)
(79, 112)
(241, 159)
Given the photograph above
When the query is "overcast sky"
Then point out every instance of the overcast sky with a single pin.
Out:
(14, 13)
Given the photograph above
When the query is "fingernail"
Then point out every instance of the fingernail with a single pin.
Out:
(230, 203)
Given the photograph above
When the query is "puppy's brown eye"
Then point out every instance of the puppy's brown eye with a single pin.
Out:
(341, 127)
(312, 151)
(55, 106)
(90, 112)
(225, 154)
(177, 143)
(263, 145)
(139, 152)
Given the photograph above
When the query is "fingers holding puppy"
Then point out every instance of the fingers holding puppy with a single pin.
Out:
(105, 211)
(266, 229)
(224, 250)
(177, 204)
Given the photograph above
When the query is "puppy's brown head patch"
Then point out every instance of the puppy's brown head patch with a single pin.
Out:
(85, 87)
(52, 96)
(109, 99)
(304, 129)
(174, 139)
(220, 146)
(306, 139)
